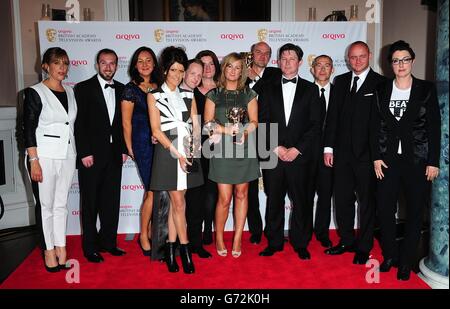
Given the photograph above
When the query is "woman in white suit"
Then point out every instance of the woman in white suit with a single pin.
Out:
(49, 114)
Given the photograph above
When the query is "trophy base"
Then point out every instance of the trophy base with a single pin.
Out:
(193, 168)
(237, 138)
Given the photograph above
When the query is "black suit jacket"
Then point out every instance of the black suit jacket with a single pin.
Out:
(93, 128)
(304, 122)
(348, 119)
(419, 129)
(270, 75)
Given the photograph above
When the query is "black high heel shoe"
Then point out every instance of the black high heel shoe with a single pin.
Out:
(170, 257)
(53, 269)
(144, 252)
(186, 259)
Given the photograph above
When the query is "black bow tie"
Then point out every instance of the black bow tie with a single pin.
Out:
(110, 85)
(293, 80)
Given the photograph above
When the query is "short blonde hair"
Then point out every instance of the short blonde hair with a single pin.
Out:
(229, 59)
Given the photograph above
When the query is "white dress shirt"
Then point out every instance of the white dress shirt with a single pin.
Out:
(362, 78)
(257, 78)
(110, 97)
(327, 88)
(288, 97)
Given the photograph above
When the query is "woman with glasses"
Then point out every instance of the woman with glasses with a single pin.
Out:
(405, 145)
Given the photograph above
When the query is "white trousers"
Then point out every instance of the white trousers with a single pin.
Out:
(53, 194)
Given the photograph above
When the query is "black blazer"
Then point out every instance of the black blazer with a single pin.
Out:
(419, 129)
(348, 120)
(270, 75)
(93, 128)
(304, 123)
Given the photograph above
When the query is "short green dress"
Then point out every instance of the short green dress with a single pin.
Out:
(231, 163)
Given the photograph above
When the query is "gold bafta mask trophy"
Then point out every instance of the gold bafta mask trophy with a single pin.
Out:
(190, 144)
(236, 115)
(248, 58)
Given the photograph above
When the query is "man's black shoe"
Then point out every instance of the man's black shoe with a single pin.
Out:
(326, 242)
(269, 251)
(361, 258)
(201, 252)
(403, 273)
(303, 254)
(255, 238)
(340, 249)
(94, 257)
(387, 264)
(114, 251)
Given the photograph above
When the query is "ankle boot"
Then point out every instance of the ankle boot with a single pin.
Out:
(170, 257)
(186, 259)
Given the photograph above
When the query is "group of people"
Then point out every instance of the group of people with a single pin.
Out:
(363, 138)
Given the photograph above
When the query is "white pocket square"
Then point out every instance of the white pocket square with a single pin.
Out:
(368, 94)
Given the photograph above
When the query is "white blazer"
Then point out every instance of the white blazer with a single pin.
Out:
(55, 131)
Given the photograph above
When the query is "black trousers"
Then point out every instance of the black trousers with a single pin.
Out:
(402, 175)
(100, 195)
(324, 189)
(254, 220)
(291, 178)
(352, 175)
(200, 207)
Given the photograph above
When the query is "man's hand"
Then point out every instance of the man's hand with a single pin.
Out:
(378, 166)
(88, 161)
(431, 172)
(280, 151)
(328, 159)
(291, 154)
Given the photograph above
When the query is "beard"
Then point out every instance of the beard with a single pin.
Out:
(108, 77)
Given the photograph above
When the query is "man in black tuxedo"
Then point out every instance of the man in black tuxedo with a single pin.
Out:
(347, 150)
(322, 69)
(293, 106)
(259, 75)
(101, 153)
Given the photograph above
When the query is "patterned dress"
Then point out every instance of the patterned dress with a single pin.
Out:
(176, 123)
(231, 163)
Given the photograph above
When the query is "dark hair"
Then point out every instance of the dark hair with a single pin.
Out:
(358, 43)
(194, 60)
(293, 47)
(400, 45)
(321, 56)
(106, 51)
(155, 76)
(210, 53)
(54, 53)
(170, 55)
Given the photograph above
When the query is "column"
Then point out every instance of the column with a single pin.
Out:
(434, 267)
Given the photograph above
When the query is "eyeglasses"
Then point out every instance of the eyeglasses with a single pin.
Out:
(396, 61)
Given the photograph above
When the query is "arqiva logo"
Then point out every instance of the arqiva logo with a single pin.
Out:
(128, 37)
(232, 36)
(76, 63)
(333, 36)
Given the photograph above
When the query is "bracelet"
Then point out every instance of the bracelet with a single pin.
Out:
(33, 159)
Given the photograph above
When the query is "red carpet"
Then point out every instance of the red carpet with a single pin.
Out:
(284, 270)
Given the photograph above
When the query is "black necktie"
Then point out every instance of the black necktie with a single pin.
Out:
(322, 96)
(110, 85)
(355, 85)
(323, 103)
(293, 80)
